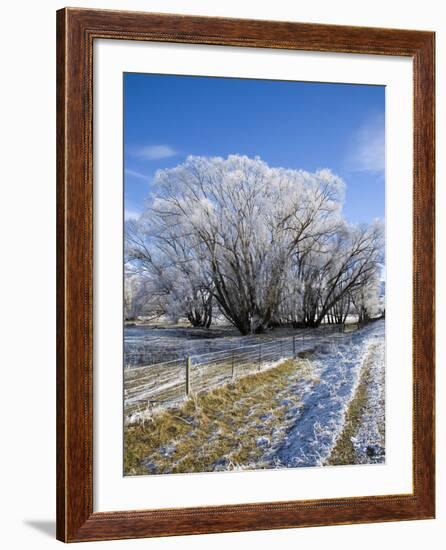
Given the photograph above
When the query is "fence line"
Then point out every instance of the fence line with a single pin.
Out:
(141, 352)
(168, 382)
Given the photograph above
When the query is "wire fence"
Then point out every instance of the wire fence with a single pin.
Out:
(168, 382)
(146, 345)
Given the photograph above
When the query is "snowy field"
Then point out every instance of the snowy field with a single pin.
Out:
(152, 344)
(317, 423)
(155, 359)
(307, 412)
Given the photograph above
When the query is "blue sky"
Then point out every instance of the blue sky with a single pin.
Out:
(298, 125)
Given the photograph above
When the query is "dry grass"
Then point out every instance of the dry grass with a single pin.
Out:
(219, 429)
(343, 452)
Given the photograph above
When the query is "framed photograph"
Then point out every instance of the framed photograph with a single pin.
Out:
(245, 275)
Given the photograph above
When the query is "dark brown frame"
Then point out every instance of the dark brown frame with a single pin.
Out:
(76, 31)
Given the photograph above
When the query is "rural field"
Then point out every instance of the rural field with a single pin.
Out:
(321, 403)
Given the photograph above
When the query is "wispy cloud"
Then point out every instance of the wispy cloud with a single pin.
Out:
(136, 174)
(153, 152)
(367, 153)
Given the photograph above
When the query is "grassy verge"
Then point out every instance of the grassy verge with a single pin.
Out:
(231, 426)
(343, 452)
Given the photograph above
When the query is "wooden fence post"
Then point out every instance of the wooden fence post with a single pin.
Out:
(188, 363)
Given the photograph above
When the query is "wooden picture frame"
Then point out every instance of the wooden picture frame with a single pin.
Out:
(76, 31)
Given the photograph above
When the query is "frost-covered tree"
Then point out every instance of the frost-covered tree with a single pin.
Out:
(356, 259)
(243, 221)
(262, 245)
(367, 300)
(178, 286)
(324, 277)
(138, 299)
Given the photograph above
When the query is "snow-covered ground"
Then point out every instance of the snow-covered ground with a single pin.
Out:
(300, 425)
(151, 344)
(325, 397)
(369, 441)
(228, 356)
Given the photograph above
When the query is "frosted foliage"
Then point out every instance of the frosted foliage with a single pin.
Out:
(255, 244)
(138, 297)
